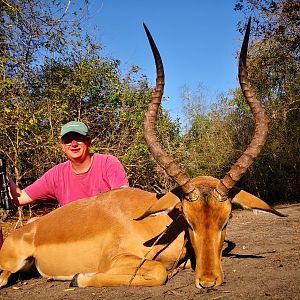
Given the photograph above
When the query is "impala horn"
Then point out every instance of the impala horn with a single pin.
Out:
(261, 128)
(191, 193)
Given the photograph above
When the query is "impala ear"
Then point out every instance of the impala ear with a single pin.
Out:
(161, 207)
(249, 201)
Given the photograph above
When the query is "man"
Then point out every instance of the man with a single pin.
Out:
(83, 175)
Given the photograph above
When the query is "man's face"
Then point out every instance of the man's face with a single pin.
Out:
(75, 145)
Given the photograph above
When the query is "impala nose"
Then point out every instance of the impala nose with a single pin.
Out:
(205, 283)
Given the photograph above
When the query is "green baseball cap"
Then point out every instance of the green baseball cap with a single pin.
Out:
(74, 126)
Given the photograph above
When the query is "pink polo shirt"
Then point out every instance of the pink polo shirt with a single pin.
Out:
(62, 184)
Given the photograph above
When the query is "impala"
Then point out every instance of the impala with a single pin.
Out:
(133, 237)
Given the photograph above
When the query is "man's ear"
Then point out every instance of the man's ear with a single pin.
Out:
(61, 145)
(88, 141)
(249, 201)
(161, 207)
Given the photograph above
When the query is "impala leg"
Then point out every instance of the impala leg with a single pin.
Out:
(4, 278)
(13, 264)
(151, 273)
(15, 255)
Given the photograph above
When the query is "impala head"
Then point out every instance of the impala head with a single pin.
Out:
(207, 219)
(206, 202)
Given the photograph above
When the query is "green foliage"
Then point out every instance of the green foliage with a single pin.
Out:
(217, 137)
(274, 70)
(51, 73)
(211, 143)
(29, 33)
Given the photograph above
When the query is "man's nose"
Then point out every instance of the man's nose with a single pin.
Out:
(74, 143)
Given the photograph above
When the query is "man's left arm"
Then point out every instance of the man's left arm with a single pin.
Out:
(116, 174)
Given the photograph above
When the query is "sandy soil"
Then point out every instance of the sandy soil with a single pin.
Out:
(264, 263)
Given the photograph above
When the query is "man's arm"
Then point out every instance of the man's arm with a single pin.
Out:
(19, 197)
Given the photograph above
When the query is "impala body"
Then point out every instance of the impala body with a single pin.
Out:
(130, 236)
(100, 238)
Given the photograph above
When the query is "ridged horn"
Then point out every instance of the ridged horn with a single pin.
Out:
(260, 133)
(162, 158)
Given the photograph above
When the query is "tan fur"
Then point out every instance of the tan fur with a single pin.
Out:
(100, 239)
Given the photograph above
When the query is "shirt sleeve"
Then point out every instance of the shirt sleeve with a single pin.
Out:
(43, 188)
(116, 175)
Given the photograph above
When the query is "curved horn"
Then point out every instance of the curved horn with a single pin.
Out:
(162, 158)
(261, 128)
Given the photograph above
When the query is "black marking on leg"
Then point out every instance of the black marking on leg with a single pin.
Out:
(74, 282)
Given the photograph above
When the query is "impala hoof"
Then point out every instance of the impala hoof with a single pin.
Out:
(74, 282)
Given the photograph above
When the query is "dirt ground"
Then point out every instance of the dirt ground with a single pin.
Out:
(264, 263)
